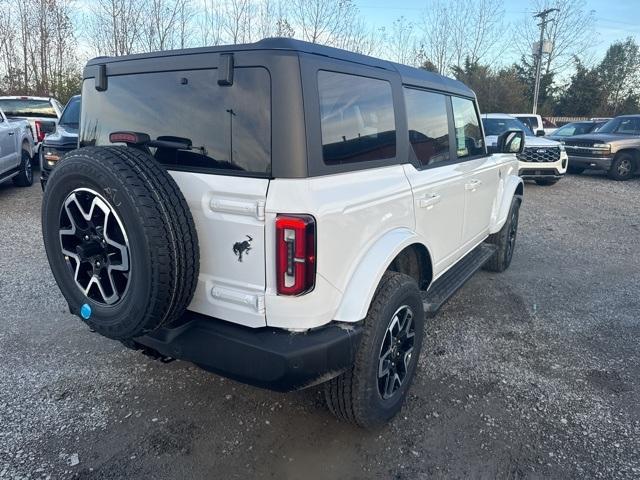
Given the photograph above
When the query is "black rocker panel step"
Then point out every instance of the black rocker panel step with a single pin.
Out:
(449, 283)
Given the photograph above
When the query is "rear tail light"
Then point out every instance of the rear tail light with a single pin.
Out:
(295, 254)
(39, 131)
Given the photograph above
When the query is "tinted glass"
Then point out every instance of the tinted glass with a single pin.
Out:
(622, 126)
(574, 129)
(469, 140)
(532, 122)
(71, 114)
(428, 125)
(356, 118)
(226, 129)
(27, 108)
(497, 126)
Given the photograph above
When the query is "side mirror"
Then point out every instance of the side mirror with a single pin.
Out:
(540, 133)
(511, 141)
(48, 127)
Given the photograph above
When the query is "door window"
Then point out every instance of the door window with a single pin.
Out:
(356, 118)
(428, 125)
(469, 139)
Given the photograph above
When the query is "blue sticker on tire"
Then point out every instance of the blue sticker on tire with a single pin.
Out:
(85, 311)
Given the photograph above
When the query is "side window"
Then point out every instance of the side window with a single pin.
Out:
(469, 140)
(356, 118)
(428, 125)
(629, 126)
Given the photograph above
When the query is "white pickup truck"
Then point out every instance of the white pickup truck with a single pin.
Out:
(16, 151)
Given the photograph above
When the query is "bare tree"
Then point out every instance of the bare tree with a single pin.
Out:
(323, 21)
(401, 42)
(436, 41)
(211, 23)
(37, 48)
(116, 27)
(458, 30)
(571, 33)
(238, 20)
(165, 26)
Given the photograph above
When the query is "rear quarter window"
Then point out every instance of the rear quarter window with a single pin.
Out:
(356, 118)
(228, 128)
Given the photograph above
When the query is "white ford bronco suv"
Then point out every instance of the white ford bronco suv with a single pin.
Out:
(281, 213)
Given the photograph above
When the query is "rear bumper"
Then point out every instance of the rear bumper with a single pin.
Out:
(265, 357)
(597, 163)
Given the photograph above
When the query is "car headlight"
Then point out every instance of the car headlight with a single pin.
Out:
(601, 145)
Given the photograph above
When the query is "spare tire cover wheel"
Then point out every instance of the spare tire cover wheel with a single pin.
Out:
(120, 240)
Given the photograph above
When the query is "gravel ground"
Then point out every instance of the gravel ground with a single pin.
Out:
(533, 373)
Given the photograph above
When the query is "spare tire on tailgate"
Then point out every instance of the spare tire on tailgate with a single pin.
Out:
(120, 240)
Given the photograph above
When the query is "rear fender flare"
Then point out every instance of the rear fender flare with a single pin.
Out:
(364, 281)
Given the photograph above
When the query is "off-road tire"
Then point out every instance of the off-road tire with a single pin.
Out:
(501, 260)
(163, 243)
(354, 396)
(575, 170)
(25, 177)
(545, 182)
(623, 167)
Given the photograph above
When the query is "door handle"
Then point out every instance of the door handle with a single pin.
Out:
(428, 201)
(11, 133)
(473, 184)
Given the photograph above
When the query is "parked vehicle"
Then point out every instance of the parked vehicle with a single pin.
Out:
(575, 128)
(542, 160)
(42, 113)
(16, 150)
(615, 148)
(533, 121)
(63, 140)
(275, 216)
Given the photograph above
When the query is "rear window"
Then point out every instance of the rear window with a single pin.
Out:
(469, 139)
(531, 122)
(27, 108)
(356, 118)
(224, 129)
(428, 125)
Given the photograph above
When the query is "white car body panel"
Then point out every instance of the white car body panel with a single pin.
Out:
(13, 135)
(352, 211)
(364, 219)
(227, 288)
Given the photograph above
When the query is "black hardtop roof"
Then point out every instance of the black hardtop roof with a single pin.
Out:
(409, 75)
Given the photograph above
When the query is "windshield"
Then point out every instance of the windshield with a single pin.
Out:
(497, 126)
(622, 126)
(71, 114)
(24, 107)
(574, 129)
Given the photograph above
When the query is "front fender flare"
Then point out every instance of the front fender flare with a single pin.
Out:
(365, 279)
(513, 185)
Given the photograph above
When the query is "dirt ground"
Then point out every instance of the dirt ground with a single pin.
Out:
(534, 373)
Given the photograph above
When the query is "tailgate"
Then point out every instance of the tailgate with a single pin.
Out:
(231, 234)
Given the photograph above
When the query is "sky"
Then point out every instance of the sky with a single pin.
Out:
(615, 19)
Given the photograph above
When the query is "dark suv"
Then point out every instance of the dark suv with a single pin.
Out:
(63, 140)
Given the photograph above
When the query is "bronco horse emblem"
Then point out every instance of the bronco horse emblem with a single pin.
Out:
(240, 248)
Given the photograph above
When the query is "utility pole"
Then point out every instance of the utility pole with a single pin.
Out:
(543, 23)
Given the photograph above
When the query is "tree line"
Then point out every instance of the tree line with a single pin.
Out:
(44, 43)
